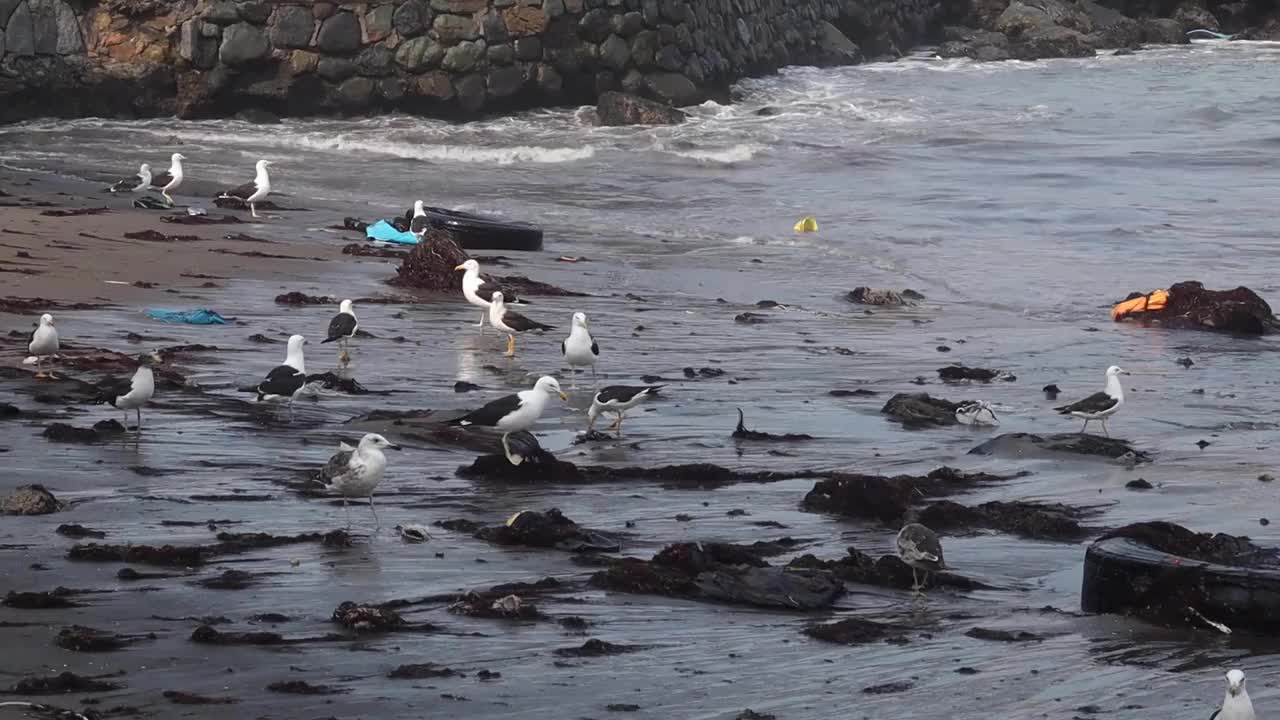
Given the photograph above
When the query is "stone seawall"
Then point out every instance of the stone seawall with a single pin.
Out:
(451, 58)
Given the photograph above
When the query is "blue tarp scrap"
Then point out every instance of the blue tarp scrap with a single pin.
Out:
(386, 232)
(199, 316)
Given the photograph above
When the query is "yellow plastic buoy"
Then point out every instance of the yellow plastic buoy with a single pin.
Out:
(807, 224)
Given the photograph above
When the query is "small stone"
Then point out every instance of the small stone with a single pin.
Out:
(419, 54)
(1139, 484)
(504, 82)
(256, 12)
(529, 48)
(615, 53)
(435, 85)
(1185, 362)
(454, 28)
(1202, 444)
(293, 27)
(670, 58)
(356, 92)
(501, 55)
(392, 89)
(943, 348)
(462, 57)
(523, 21)
(375, 61)
(222, 12)
(377, 22)
(1266, 477)
(242, 44)
(339, 34)
(1264, 522)
(335, 69)
(302, 62)
(412, 18)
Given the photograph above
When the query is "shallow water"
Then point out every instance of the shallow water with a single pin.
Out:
(1021, 198)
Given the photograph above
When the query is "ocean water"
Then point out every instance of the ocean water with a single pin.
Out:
(1022, 199)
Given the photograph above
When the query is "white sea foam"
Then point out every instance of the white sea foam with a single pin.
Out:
(735, 154)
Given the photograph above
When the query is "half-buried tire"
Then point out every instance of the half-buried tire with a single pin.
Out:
(1170, 575)
(476, 232)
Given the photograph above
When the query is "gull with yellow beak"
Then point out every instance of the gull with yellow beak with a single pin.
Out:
(513, 413)
(1236, 704)
(511, 322)
(44, 343)
(580, 348)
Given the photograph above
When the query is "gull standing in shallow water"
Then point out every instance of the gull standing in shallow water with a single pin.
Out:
(580, 348)
(919, 547)
(472, 289)
(132, 393)
(43, 343)
(342, 327)
(511, 322)
(1099, 406)
(284, 382)
(1236, 705)
(169, 180)
(252, 193)
(354, 472)
(618, 399)
(513, 413)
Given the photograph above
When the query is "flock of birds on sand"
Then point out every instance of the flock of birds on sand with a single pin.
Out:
(355, 472)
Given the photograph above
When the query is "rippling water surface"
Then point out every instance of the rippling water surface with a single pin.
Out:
(1021, 198)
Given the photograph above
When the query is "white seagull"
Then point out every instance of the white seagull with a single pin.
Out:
(511, 322)
(286, 381)
(131, 393)
(169, 180)
(137, 183)
(514, 413)
(43, 343)
(580, 348)
(1236, 705)
(618, 399)
(342, 327)
(252, 193)
(419, 224)
(919, 547)
(976, 412)
(354, 472)
(473, 289)
(1099, 406)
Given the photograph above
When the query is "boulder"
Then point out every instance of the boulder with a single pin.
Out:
(412, 18)
(19, 35)
(615, 53)
(504, 81)
(981, 45)
(918, 410)
(292, 28)
(340, 34)
(378, 22)
(674, 88)
(462, 57)
(222, 12)
(335, 69)
(471, 92)
(419, 54)
(501, 55)
(835, 47)
(29, 500)
(242, 44)
(44, 25)
(1191, 307)
(615, 109)
(1022, 18)
(1163, 31)
(1191, 16)
(1051, 42)
(525, 21)
(450, 29)
(70, 40)
(375, 61)
(355, 93)
(595, 26)
(435, 85)
(669, 58)
(255, 11)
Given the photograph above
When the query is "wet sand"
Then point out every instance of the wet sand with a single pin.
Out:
(208, 461)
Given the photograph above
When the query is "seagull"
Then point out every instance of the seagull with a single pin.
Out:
(472, 286)
(976, 412)
(618, 399)
(580, 348)
(132, 393)
(1099, 406)
(43, 343)
(513, 413)
(354, 472)
(169, 180)
(1236, 704)
(252, 193)
(342, 328)
(919, 547)
(284, 382)
(511, 322)
(419, 224)
(137, 183)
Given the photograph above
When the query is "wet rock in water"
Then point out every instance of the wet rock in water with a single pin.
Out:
(859, 392)
(618, 109)
(196, 555)
(332, 381)
(919, 410)
(179, 697)
(102, 430)
(888, 499)
(363, 250)
(57, 598)
(75, 212)
(85, 639)
(622, 707)
(721, 572)
(750, 714)
(855, 631)
(548, 530)
(463, 386)
(593, 436)
(868, 296)
(63, 684)
(1041, 521)
(742, 433)
(9, 411)
(201, 219)
(206, 635)
(981, 633)
(750, 318)
(229, 580)
(1139, 484)
(599, 648)
(298, 298)
(1190, 306)
(886, 571)
(422, 671)
(1051, 391)
(130, 575)
(508, 607)
(302, 687)
(888, 688)
(367, 618)
(1021, 445)
(30, 500)
(574, 623)
(961, 373)
(706, 372)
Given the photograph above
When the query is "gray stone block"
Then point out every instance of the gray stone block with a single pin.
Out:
(19, 37)
(339, 34)
(243, 43)
(293, 27)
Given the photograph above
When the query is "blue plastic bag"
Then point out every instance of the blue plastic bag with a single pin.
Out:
(386, 232)
(199, 316)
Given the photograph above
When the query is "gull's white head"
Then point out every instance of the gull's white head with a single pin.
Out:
(345, 306)
(144, 168)
(177, 159)
(418, 208)
(548, 384)
(374, 440)
(580, 320)
(470, 266)
(295, 343)
(1115, 370)
(1235, 682)
(263, 165)
(46, 320)
(496, 297)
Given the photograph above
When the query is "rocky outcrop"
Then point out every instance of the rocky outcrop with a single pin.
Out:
(1192, 307)
(615, 108)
